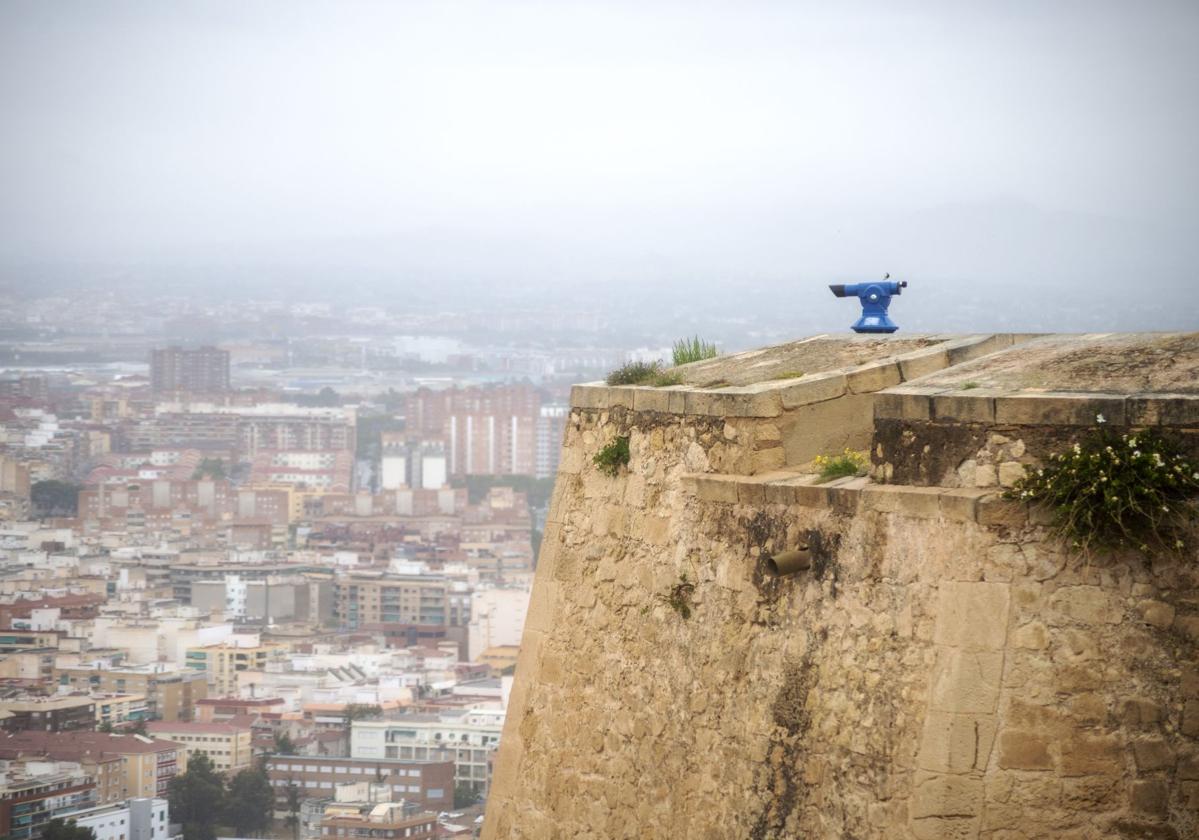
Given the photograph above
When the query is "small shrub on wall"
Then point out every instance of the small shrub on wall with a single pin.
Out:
(1111, 490)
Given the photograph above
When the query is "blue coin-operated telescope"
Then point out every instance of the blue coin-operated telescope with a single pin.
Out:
(875, 297)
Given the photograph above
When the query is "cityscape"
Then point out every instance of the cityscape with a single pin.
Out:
(436, 419)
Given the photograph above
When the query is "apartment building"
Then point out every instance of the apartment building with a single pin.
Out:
(227, 745)
(223, 662)
(384, 821)
(204, 370)
(148, 764)
(430, 783)
(32, 792)
(136, 819)
(170, 693)
(487, 431)
(48, 714)
(467, 737)
(414, 598)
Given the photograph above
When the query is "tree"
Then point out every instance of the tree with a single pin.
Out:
(54, 498)
(465, 795)
(250, 803)
(293, 809)
(214, 467)
(197, 798)
(284, 745)
(106, 727)
(359, 711)
(60, 829)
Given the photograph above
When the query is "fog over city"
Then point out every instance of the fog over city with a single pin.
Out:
(1024, 165)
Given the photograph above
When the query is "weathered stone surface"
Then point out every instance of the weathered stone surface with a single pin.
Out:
(943, 668)
(973, 616)
(1088, 755)
(966, 681)
(946, 796)
(953, 743)
(1023, 751)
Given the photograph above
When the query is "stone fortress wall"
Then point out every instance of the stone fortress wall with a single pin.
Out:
(942, 670)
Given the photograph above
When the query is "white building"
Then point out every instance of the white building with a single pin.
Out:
(469, 736)
(137, 819)
(497, 617)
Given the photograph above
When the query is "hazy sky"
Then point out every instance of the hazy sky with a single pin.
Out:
(1023, 140)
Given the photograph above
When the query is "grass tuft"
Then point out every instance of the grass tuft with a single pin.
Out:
(687, 350)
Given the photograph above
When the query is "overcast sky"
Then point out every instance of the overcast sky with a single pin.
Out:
(1028, 141)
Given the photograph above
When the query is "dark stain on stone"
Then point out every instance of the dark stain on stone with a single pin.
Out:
(782, 771)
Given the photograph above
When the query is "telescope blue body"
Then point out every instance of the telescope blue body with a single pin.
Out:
(875, 298)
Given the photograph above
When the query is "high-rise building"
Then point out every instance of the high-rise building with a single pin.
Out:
(487, 431)
(201, 371)
(551, 424)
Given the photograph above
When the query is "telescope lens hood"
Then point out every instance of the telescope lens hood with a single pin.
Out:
(838, 290)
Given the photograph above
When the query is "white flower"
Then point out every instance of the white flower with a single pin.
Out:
(1166, 509)
(1178, 543)
(1132, 441)
(1195, 475)
(1099, 418)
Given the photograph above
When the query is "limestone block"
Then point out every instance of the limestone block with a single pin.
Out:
(1188, 765)
(945, 828)
(972, 615)
(1188, 626)
(1150, 797)
(716, 488)
(1190, 681)
(1031, 636)
(916, 502)
(952, 743)
(938, 795)
(1023, 751)
(1010, 472)
(1032, 409)
(1088, 708)
(966, 681)
(1162, 410)
(874, 378)
(995, 510)
(1190, 796)
(959, 505)
(1190, 718)
(767, 459)
(1087, 604)
(967, 407)
(1088, 755)
(589, 396)
(923, 362)
(827, 386)
(985, 475)
(1157, 613)
(651, 399)
(894, 405)
(1152, 754)
(622, 396)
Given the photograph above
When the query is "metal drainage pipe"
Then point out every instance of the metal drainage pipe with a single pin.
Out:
(790, 562)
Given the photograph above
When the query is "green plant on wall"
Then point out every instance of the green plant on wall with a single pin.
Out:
(847, 463)
(695, 349)
(679, 596)
(644, 373)
(1112, 490)
(613, 456)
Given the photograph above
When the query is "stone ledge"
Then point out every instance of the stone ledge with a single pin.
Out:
(773, 397)
(858, 494)
(937, 404)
